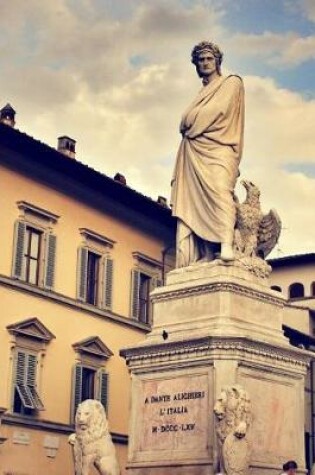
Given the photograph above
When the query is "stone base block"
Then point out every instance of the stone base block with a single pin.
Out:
(174, 389)
(216, 299)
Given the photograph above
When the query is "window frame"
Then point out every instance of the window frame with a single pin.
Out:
(92, 354)
(36, 221)
(93, 277)
(29, 338)
(103, 291)
(28, 258)
(25, 386)
(100, 374)
(294, 288)
(150, 271)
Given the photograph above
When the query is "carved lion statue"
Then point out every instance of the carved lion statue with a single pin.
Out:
(233, 417)
(92, 443)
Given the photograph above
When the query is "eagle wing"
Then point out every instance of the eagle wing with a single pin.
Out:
(268, 233)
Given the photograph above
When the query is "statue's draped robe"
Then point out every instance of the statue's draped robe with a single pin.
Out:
(207, 166)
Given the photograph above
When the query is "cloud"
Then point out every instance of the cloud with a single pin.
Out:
(279, 123)
(283, 50)
(308, 8)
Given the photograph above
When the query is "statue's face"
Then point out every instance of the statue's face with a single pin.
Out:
(220, 406)
(83, 417)
(206, 64)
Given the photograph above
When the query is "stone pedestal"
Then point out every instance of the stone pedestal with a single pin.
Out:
(214, 325)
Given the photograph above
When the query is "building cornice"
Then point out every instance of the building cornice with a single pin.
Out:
(31, 328)
(88, 234)
(231, 287)
(208, 348)
(26, 208)
(147, 260)
(75, 304)
(38, 424)
(287, 261)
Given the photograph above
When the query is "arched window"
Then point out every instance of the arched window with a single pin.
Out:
(296, 290)
(313, 289)
(277, 288)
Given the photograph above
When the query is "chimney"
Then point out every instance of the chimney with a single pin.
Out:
(7, 115)
(66, 145)
(120, 178)
(162, 201)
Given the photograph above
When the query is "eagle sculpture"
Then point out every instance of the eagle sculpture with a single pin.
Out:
(256, 233)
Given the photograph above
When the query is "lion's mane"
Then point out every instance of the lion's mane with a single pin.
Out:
(232, 410)
(97, 426)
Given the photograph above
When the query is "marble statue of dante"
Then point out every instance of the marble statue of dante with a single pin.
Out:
(207, 162)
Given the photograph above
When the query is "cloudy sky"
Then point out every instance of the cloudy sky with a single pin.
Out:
(116, 76)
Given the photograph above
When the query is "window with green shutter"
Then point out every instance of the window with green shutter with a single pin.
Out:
(25, 398)
(135, 290)
(141, 286)
(102, 390)
(18, 268)
(145, 277)
(88, 280)
(89, 378)
(95, 278)
(108, 271)
(34, 253)
(88, 383)
(50, 261)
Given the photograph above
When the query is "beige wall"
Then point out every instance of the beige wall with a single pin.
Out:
(298, 318)
(20, 459)
(285, 276)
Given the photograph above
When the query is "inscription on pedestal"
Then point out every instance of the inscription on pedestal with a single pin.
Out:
(174, 413)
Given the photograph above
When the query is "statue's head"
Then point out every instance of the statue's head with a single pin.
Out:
(207, 47)
(90, 419)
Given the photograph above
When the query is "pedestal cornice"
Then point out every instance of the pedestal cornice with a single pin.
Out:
(208, 349)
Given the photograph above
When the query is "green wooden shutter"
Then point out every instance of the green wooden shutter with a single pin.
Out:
(20, 368)
(50, 261)
(30, 377)
(76, 389)
(21, 372)
(82, 273)
(135, 288)
(18, 268)
(108, 283)
(102, 394)
(25, 380)
(31, 381)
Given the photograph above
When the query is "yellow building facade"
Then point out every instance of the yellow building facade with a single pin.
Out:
(80, 254)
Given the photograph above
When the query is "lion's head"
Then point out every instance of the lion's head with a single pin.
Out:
(232, 410)
(90, 420)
